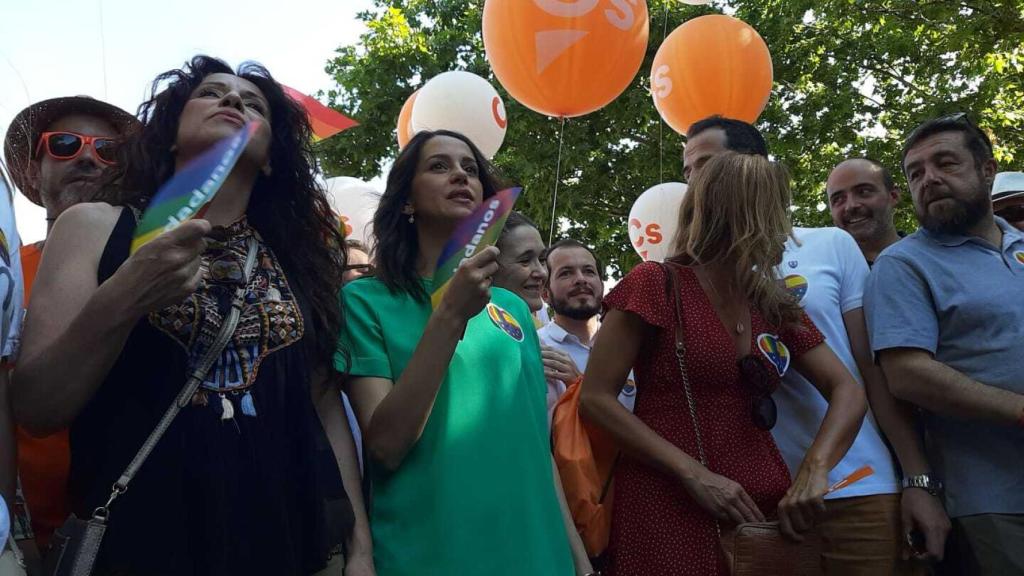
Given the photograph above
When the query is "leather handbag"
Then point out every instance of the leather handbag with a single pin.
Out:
(75, 546)
(760, 548)
(752, 548)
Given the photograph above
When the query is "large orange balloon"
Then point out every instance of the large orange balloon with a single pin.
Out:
(405, 121)
(565, 57)
(711, 65)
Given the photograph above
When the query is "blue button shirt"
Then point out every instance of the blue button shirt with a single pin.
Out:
(962, 299)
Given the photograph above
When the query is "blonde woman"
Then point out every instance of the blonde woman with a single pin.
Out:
(742, 332)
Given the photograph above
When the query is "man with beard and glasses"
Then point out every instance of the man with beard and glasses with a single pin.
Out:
(58, 152)
(946, 318)
(861, 196)
(1008, 198)
(574, 289)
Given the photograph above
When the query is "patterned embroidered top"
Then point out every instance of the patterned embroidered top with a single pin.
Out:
(244, 481)
(270, 321)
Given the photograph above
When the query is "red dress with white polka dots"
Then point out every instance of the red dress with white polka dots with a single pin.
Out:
(657, 529)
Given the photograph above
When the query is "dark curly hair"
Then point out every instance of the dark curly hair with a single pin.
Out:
(288, 208)
(397, 244)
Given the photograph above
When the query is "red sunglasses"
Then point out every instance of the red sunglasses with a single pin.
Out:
(69, 145)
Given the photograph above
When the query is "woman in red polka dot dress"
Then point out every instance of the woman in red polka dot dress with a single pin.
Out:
(742, 332)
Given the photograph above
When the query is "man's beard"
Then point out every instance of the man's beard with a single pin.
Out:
(956, 221)
(562, 307)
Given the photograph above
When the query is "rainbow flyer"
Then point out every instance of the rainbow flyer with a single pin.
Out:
(476, 232)
(192, 187)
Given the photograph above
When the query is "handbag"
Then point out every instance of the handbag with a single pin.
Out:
(751, 548)
(75, 546)
(586, 457)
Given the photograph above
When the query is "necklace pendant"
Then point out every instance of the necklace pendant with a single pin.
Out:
(740, 328)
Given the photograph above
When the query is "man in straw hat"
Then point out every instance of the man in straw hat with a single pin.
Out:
(57, 152)
(58, 149)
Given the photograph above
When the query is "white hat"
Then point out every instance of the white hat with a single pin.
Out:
(1007, 185)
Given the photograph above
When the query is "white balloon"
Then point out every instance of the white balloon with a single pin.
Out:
(355, 202)
(654, 220)
(462, 102)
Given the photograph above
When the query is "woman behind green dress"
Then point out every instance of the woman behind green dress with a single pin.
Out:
(451, 400)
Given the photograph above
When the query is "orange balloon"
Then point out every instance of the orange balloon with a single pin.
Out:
(711, 65)
(405, 120)
(565, 58)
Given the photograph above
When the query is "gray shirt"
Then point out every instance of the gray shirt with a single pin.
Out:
(962, 299)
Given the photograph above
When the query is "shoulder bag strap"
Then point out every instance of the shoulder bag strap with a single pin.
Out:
(227, 328)
(670, 271)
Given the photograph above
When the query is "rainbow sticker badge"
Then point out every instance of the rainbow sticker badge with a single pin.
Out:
(796, 285)
(775, 351)
(1019, 255)
(5, 251)
(505, 321)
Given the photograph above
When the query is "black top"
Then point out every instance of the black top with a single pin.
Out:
(253, 492)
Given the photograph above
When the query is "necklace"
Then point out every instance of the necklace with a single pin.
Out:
(707, 282)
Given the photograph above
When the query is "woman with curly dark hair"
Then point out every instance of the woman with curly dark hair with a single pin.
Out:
(256, 473)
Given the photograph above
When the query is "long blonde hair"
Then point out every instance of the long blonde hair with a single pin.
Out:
(735, 211)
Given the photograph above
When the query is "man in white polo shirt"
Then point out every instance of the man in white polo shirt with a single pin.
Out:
(862, 195)
(574, 290)
(824, 269)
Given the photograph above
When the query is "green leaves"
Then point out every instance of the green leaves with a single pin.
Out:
(851, 78)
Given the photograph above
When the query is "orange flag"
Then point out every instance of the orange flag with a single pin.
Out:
(856, 476)
(325, 121)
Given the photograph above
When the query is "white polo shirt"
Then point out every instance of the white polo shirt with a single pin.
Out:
(553, 335)
(827, 272)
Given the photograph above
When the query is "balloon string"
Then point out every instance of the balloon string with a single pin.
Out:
(558, 176)
(103, 48)
(661, 121)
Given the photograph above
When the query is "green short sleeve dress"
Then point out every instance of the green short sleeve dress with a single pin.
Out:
(476, 493)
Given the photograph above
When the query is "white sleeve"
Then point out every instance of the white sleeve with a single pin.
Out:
(853, 269)
(11, 285)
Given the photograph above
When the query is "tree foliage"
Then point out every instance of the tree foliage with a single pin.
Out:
(852, 77)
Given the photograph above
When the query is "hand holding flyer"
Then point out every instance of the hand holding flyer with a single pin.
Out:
(476, 232)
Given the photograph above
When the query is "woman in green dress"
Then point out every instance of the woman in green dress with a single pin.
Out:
(451, 399)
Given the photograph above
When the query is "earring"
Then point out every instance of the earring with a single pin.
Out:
(412, 219)
(173, 148)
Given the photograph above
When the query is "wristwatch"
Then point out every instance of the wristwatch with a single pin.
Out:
(924, 482)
